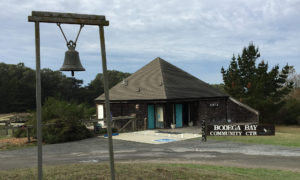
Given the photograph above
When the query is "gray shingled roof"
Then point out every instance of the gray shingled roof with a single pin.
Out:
(160, 80)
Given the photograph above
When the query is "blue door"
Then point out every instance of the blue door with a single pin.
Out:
(178, 115)
(151, 116)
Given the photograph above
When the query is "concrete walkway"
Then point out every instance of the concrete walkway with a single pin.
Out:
(157, 136)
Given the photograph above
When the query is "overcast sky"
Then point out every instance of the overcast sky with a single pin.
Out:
(196, 36)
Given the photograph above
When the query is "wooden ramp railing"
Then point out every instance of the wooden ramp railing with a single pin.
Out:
(132, 121)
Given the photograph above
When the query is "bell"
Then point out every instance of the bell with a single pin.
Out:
(72, 62)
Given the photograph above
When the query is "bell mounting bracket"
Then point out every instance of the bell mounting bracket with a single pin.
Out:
(70, 44)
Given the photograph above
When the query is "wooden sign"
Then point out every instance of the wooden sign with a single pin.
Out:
(240, 130)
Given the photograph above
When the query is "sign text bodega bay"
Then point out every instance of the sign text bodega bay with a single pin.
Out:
(240, 130)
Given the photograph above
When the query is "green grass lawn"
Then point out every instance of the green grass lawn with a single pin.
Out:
(4, 136)
(151, 171)
(284, 136)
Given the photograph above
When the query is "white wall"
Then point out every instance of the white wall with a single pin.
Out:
(100, 115)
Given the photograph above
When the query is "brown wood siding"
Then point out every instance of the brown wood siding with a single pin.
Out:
(239, 114)
(226, 110)
(199, 109)
(212, 110)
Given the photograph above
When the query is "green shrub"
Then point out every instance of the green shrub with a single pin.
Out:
(64, 121)
(104, 130)
(289, 114)
(19, 133)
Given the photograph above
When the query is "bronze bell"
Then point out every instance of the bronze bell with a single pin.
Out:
(72, 62)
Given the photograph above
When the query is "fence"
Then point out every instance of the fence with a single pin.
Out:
(3, 131)
(10, 129)
(7, 130)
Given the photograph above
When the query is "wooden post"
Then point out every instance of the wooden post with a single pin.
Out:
(107, 105)
(6, 128)
(27, 133)
(95, 124)
(133, 124)
(38, 100)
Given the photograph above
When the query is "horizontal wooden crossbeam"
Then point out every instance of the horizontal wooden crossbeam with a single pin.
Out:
(67, 18)
(113, 119)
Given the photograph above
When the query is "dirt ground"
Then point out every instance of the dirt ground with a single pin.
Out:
(10, 143)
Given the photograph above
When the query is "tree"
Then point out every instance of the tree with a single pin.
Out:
(290, 112)
(295, 78)
(56, 84)
(220, 87)
(17, 87)
(256, 86)
(96, 87)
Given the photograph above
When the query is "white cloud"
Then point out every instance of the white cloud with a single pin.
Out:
(189, 31)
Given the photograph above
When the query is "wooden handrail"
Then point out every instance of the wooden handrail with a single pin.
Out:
(113, 119)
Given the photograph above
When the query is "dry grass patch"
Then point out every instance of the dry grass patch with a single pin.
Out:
(15, 143)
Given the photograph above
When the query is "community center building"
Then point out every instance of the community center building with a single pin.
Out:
(161, 94)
